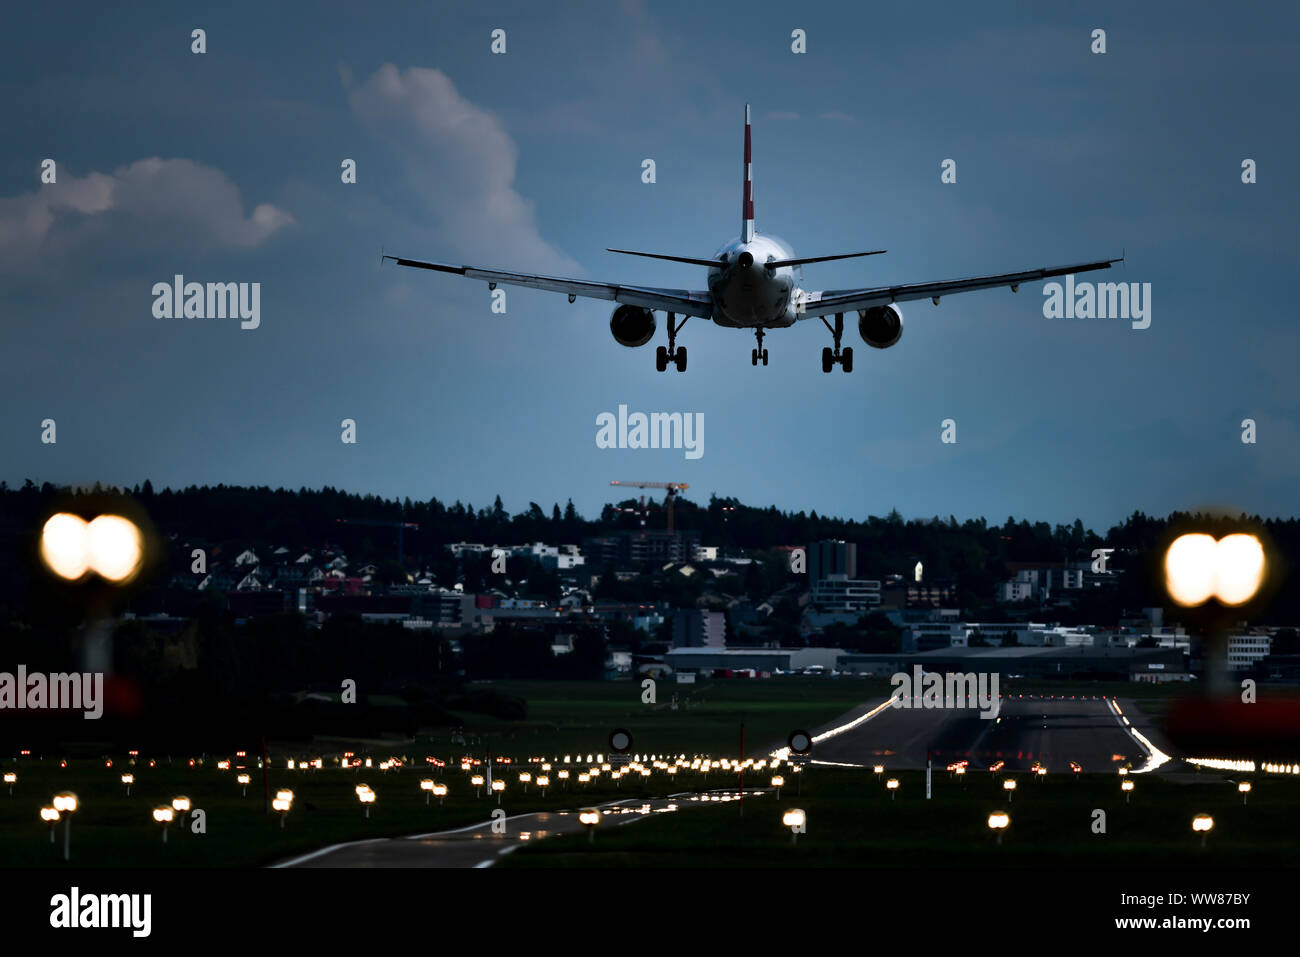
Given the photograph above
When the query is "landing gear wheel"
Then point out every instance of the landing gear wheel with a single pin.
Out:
(681, 359)
(753, 356)
(661, 358)
(828, 359)
(846, 359)
(764, 357)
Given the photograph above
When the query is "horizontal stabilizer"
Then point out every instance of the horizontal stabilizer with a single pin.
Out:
(674, 259)
(821, 259)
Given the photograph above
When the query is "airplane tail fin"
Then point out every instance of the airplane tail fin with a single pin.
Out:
(747, 212)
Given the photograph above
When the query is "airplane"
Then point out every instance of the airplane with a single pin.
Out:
(753, 284)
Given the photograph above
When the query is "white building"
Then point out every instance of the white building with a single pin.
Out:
(846, 594)
(1245, 650)
(554, 557)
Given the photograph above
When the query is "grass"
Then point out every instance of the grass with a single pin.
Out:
(113, 830)
(853, 823)
(572, 715)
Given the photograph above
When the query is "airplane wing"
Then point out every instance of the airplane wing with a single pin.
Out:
(831, 301)
(684, 302)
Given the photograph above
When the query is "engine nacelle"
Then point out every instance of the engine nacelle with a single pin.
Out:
(632, 325)
(881, 326)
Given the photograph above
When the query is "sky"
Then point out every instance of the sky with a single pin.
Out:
(225, 166)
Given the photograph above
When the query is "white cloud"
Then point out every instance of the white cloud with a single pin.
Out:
(191, 199)
(458, 165)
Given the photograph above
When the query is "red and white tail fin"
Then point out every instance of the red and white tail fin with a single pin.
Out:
(747, 213)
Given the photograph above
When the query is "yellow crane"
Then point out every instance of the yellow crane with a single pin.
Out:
(672, 487)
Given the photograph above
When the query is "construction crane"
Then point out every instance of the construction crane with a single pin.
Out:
(672, 487)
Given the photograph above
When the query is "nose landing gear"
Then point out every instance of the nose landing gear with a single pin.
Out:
(844, 357)
(755, 355)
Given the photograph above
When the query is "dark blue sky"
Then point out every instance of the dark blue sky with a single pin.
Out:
(225, 167)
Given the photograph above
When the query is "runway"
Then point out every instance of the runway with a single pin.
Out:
(1052, 730)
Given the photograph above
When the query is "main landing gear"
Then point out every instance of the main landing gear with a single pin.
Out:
(673, 355)
(843, 356)
(755, 355)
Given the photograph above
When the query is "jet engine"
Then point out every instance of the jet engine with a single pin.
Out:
(881, 326)
(632, 325)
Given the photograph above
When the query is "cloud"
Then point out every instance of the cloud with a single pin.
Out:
(175, 198)
(458, 166)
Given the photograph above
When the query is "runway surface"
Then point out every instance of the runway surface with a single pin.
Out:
(1049, 730)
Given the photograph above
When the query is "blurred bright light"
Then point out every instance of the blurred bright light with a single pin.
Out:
(794, 818)
(65, 546)
(1202, 822)
(1197, 568)
(1241, 568)
(999, 820)
(115, 547)
(110, 545)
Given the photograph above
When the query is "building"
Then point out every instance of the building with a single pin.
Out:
(552, 557)
(1245, 650)
(929, 635)
(1042, 581)
(444, 609)
(760, 660)
(832, 559)
(845, 594)
(1077, 663)
(697, 628)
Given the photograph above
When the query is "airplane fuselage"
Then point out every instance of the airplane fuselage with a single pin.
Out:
(746, 293)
